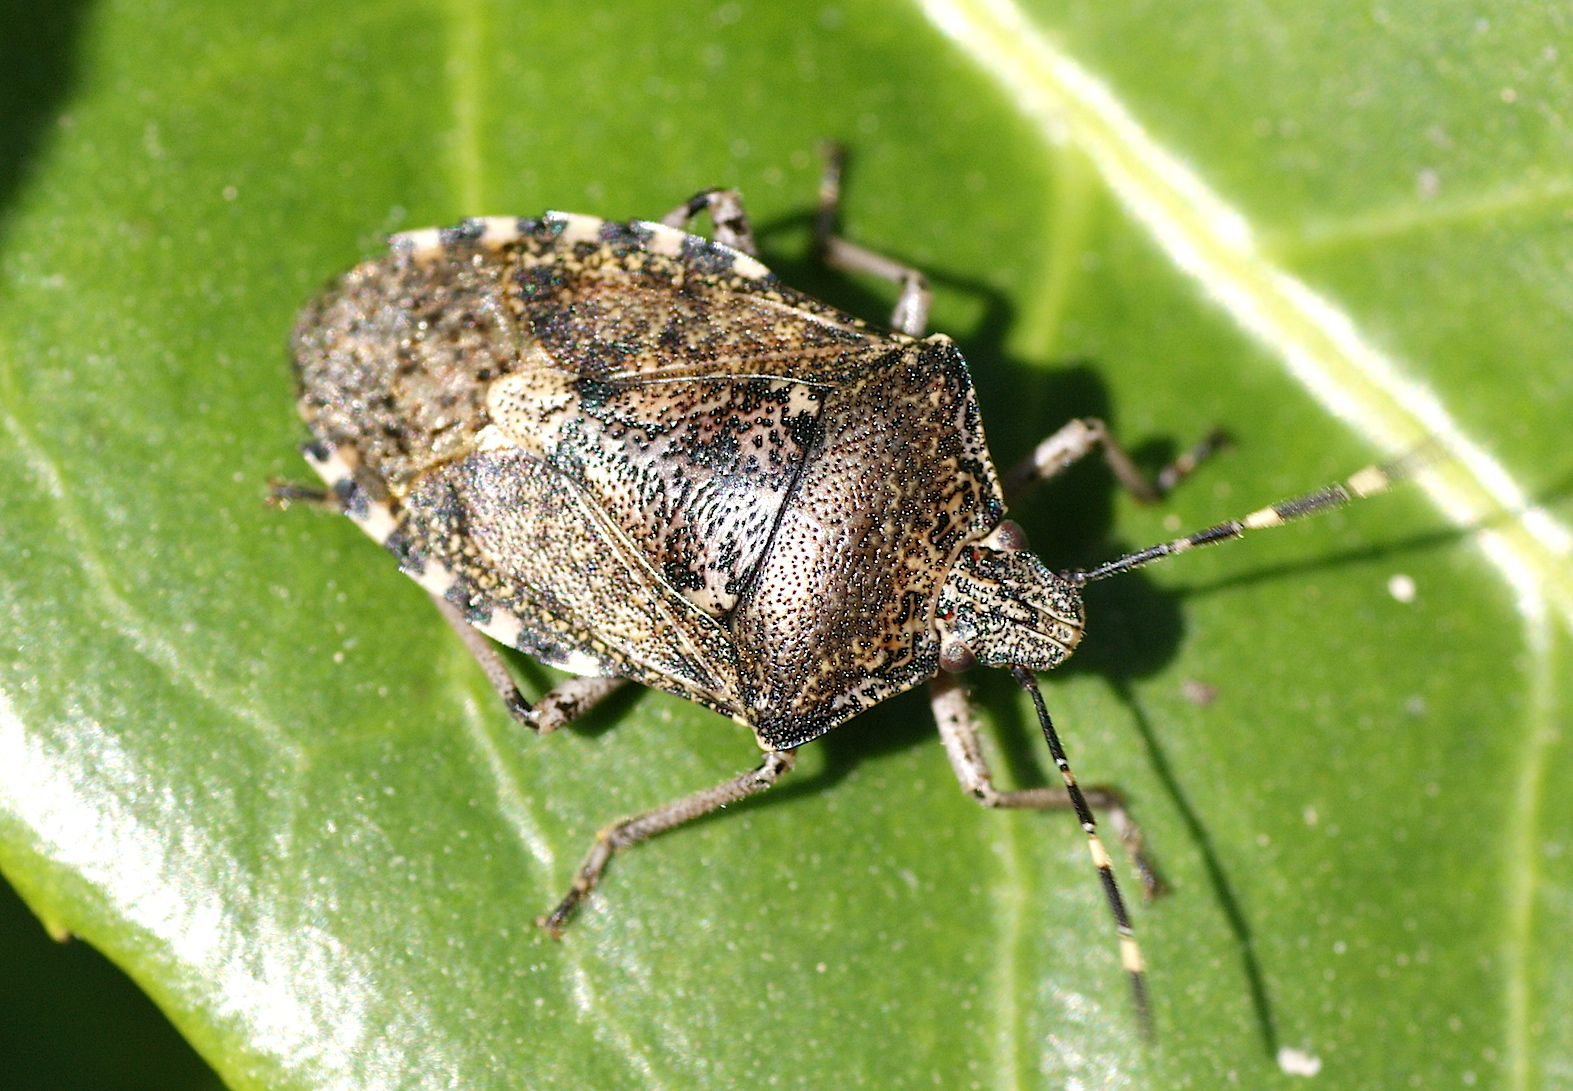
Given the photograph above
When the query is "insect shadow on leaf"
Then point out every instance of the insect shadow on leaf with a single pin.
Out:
(38, 71)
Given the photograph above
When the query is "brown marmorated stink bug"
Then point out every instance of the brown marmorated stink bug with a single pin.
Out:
(635, 454)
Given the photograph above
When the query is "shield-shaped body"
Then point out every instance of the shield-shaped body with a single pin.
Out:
(630, 451)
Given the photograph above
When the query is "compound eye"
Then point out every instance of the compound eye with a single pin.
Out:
(1008, 537)
(955, 657)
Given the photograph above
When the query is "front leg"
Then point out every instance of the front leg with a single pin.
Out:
(959, 733)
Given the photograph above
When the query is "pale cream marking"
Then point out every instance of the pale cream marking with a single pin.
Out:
(578, 227)
(745, 265)
(1261, 520)
(421, 245)
(709, 601)
(378, 522)
(503, 628)
(1131, 956)
(581, 664)
(499, 231)
(1100, 856)
(1369, 481)
(530, 408)
(665, 241)
(435, 578)
(493, 438)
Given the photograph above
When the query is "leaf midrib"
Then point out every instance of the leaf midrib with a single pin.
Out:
(1321, 347)
(1317, 342)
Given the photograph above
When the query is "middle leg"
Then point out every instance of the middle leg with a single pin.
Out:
(567, 700)
(1078, 438)
(911, 313)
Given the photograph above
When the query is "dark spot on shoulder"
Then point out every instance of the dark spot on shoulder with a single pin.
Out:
(622, 236)
(704, 256)
(405, 551)
(464, 233)
(317, 450)
(351, 497)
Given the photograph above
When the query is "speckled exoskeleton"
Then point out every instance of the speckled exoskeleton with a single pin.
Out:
(635, 454)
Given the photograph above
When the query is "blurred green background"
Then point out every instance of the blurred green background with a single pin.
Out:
(241, 756)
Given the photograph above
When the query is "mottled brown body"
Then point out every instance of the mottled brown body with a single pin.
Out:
(630, 451)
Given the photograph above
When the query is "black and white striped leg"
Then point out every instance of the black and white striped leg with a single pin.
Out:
(911, 312)
(726, 216)
(564, 702)
(1130, 953)
(1077, 439)
(959, 732)
(642, 827)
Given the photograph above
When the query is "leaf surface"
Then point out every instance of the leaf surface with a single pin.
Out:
(242, 756)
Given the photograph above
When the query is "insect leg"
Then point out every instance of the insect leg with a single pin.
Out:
(562, 703)
(641, 827)
(1077, 438)
(911, 312)
(959, 733)
(281, 494)
(1130, 953)
(726, 214)
(570, 699)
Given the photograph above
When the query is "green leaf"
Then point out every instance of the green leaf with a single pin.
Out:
(242, 756)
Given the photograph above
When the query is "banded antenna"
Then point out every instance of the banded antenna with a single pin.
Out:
(1370, 481)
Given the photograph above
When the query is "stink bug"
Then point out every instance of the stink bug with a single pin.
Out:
(635, 454)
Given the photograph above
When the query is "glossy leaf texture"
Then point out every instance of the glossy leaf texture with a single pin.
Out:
(241, 755)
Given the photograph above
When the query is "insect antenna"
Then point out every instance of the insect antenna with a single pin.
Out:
(1367, 482)
(1130, 953)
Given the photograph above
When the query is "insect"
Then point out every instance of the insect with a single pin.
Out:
(635, 454)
